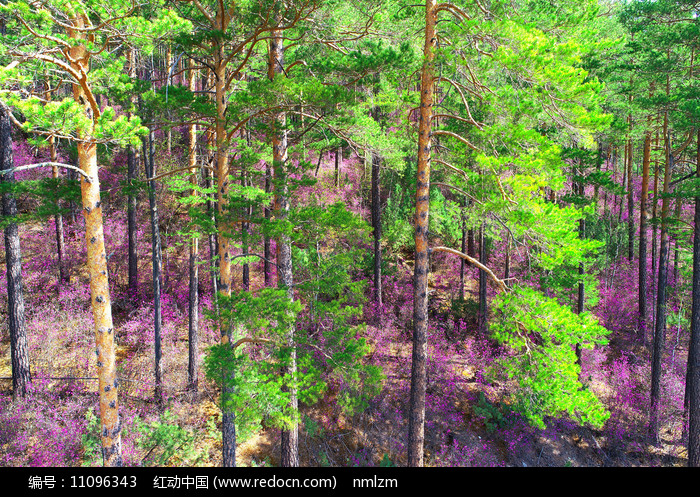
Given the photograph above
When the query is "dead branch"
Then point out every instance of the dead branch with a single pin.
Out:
(499, 282)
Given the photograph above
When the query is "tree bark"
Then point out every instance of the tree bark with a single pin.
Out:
(416, 417)
(471, 244)
(643, 214)
(660, 326)
(506, 275)
(58, 220)
(630, 184)
(654, 214)
(693, 371)
(581, 301)
(168, 82)
(222, 161)
(132, 175)
(677, 215)
(625, 186)
(108, 385)
(290, 437)
(19, 349)
(156, 257)
(377, 225)
(598, 164)
(222, 138)
(267, 249)
(630, 205)
(245, 215)
(462, 262)
(193, 311)
(338, 156)
(483, 303)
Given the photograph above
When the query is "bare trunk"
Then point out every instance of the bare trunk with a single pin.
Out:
(245, 215)
(377, 225)
(693, 371)
(598, 163)
(416, 417)
(168, 82)
(338, 157)
(228, 426)
(643, 213)
(193, 311)
(267, 250)
(108, 385)
(463, 262)
(19, 350)
(58, 220)
(581, 302)
(630, 205)
(471, 244)
(654, 214)
(132, 176)
(156, 257)
(222, 173)
(483, 303)
(506, 275)
(677, 215)
(290, 437)
(660, 326)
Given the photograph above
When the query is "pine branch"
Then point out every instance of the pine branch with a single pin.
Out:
(48, 164)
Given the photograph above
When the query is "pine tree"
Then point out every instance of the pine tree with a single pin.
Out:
(473, 67)
(19, 351)
(67, 39)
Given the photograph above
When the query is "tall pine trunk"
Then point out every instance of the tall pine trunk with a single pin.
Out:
(625, 186)
(245, 216)
(376, 219)
(377, 225)
(643, 214)
(156, 257)
(630, 205)
(19, 350)
(419, 359)
(338, 157)
(693, 370)
(581, 301)
(132, 160)
(193, 310)
(228, 427)
(58, 220)
(660, 325)
(108, 386)
(630, 185)
(483, 303)
(267, 249)
(654, 215)
(290, 437)
(463, 262)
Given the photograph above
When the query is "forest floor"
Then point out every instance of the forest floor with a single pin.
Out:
(469, 417)
(466, 429)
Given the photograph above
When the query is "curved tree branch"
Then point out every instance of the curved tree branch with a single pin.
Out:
(499, 282)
